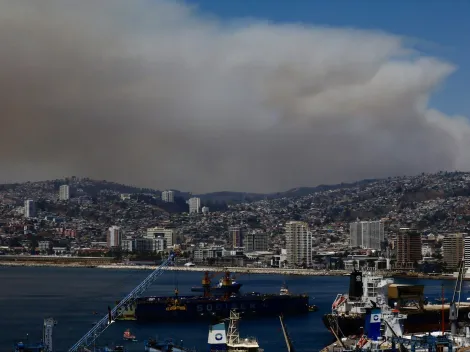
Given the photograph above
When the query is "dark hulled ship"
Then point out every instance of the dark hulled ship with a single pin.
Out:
(209, 306)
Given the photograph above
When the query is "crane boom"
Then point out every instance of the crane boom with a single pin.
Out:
(103, 324)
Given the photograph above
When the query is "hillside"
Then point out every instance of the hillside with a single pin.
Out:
(369, 198)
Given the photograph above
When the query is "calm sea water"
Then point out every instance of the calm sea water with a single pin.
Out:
(71, 295)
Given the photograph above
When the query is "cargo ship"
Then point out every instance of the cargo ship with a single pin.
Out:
(369, 291)
(210, 306)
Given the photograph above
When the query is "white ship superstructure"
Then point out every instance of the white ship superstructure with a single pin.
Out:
(368, 291)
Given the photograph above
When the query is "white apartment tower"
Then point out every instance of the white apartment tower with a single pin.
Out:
(466, 252)
(64, 192)
(298, 243)
(168, 196)
(194, 205)
(366, 234)
(114, 236)
(29, 208)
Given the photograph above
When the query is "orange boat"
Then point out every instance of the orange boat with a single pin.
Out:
(128, 336)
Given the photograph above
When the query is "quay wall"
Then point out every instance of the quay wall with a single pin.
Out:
(108, 263)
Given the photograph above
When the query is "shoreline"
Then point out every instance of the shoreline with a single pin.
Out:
(243, 270)
(267, 271)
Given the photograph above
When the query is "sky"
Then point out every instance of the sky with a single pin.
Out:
(253, 96)
(438, 27)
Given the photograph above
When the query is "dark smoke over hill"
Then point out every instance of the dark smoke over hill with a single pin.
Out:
(154, 94)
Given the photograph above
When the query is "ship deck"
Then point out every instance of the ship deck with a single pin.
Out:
(349, 344)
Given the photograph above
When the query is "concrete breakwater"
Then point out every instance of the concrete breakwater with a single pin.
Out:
(244, 270)
(272, 271)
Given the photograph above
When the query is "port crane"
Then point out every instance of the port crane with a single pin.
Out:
(89, 338)
(455, 303)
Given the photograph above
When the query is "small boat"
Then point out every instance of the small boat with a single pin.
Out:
(27, 347)
(312, 308)
(152, 345)
(284, 290)
(115, 349)
(128, 336)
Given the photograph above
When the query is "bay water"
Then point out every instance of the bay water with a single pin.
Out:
(78, 297)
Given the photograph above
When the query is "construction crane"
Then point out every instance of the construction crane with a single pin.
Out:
(455, 304)
(89, 338)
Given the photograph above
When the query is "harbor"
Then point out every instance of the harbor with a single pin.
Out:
(364, 292)
(379, 315)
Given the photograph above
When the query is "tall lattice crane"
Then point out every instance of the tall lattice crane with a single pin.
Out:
(455, 304)
(89, 338)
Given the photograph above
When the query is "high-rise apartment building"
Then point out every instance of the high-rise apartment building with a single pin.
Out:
(114, 237)
(64, 192)
(408, 248)
(150, 244)
(168, 196)
(29, 208)
(256, 242)
(168, 234)
(367, 234)
(298, 244)
(194, 205)
(236, 235)
(466, 251)
(452, 250)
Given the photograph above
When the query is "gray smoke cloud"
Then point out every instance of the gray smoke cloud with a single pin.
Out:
(153, 93)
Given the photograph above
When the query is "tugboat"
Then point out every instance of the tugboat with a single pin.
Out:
(284, 290)
(128, 336)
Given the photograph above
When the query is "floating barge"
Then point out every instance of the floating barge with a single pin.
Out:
(209, 306)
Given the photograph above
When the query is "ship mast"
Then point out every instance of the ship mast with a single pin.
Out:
(226, 282)
(233, 335)
(206, 284)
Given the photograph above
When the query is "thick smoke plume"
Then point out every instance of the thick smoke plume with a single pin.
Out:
(153, 93)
